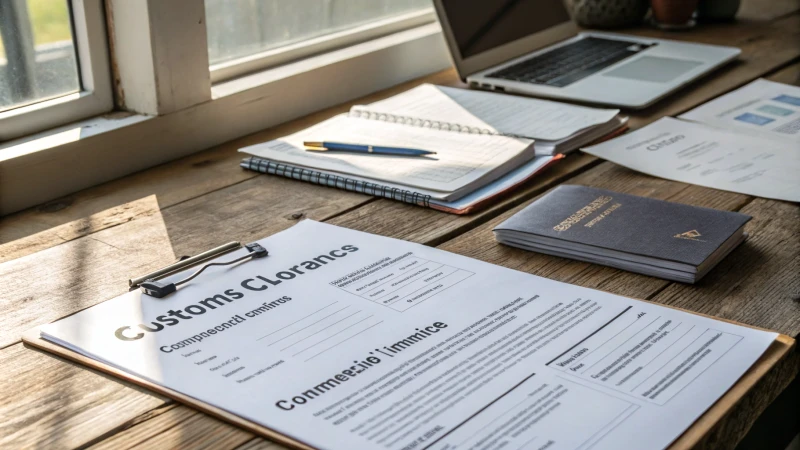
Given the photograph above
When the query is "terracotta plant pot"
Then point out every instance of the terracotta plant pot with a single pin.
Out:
(673, 12)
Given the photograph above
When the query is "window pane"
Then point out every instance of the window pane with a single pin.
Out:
(239, 28)
(37, 53)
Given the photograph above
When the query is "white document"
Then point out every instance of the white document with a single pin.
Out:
(487, 111)
(762, 107)
(708, 156)
(509, 181)
(462, 162)
(346, 340)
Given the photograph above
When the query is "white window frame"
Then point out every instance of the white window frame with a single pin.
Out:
(163, 81)
(264, 60)
(95, 96)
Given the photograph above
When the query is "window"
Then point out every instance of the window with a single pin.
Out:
(255, 34)
(37, 52)
(188, 74)
(53, 64)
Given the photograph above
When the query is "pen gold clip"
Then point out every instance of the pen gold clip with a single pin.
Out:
(315, 146)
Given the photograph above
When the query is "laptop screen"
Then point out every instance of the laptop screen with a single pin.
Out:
(481, 25)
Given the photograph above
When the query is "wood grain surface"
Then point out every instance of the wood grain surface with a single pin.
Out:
(70, 254)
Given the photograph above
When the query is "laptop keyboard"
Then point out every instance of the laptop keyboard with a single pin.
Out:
(569, 63)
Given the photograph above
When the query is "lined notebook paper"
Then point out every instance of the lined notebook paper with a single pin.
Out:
(463, 161)
(486, 144)
(487, 112)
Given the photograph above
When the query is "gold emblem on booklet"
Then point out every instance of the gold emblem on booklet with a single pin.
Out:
(691, 235)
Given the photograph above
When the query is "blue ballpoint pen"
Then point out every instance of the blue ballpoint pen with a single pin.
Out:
(358, 148)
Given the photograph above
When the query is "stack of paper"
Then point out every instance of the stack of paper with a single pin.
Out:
(556, 127)
(485, 144)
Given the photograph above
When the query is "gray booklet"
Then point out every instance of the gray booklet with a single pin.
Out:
(650, 236)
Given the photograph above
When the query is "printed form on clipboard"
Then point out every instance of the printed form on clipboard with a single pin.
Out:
(344, 340)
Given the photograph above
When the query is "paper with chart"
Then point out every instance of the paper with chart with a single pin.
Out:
(486, 111)
(763, 107)
(346, 340)
(708, 156)
(462, 162)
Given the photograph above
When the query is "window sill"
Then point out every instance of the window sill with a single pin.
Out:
(90, 152)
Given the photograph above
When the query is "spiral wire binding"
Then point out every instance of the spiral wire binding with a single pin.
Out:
(426, 123)
(326, 179)
(365, 187)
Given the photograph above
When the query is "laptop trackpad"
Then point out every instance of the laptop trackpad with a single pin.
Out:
(653, 68)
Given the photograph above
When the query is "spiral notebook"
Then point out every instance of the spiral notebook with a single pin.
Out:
(484, 144)
(469, 203)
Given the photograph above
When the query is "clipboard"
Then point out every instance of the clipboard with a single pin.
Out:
(690, 438)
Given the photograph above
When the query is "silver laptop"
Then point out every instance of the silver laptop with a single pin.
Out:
(506, 45)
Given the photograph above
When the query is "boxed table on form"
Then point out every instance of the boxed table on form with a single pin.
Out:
(403, 282)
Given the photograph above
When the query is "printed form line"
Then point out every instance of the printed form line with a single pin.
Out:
(298, 320)
(312, 324)
(338, 332)
(321, 330)
(341, 342)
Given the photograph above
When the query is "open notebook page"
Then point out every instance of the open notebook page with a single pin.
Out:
(463, 161)
(501, 113)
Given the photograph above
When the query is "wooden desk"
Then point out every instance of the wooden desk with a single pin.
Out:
(75, 252)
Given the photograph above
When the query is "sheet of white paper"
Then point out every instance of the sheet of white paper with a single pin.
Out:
(508, 114)
(700, 154)
(764, 107)
(508, 181)
(346, 340)
(461, 159)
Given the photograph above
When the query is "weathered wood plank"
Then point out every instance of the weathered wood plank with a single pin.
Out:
(759, 282)
(729, 432)
(432, 227)
(750, 10)
(145, 193)
(789, 74)
(70, 402)
(140, 195)
(178, 427)
(42, 287)
(260, 444)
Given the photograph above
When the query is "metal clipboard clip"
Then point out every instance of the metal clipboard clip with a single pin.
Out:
(150, 285)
